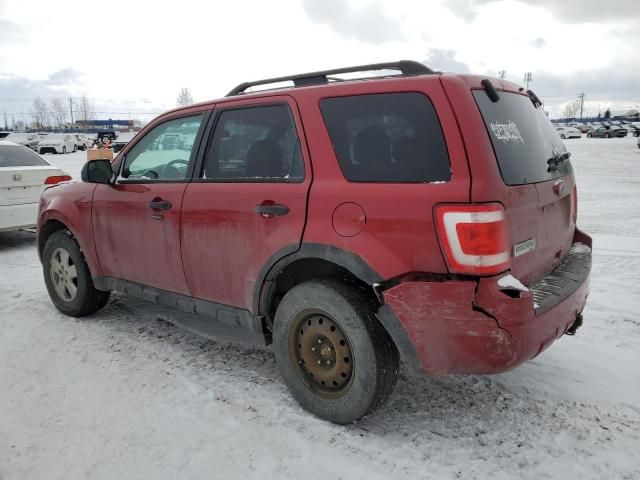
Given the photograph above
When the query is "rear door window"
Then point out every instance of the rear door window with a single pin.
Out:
(523, 138)
(392, 137)
(255, 144)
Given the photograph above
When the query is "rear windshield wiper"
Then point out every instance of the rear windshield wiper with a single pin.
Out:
(556, 160)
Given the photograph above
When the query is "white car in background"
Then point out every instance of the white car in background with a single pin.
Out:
(568, 132)
(58, 143)
(27, 139)
(23, 177)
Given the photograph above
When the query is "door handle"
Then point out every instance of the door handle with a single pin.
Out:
(271, 210)
(159, 204)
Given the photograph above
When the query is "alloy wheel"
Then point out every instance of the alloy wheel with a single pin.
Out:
(64, 276)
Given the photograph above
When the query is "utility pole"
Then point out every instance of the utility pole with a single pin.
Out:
(527, 79)
(71, 109)
(581, 97)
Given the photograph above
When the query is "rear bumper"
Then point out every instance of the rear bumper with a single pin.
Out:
(14, 217)
(476, 326)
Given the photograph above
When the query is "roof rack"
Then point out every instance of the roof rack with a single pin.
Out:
(406, 67)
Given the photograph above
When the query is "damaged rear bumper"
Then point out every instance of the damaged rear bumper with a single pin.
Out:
(478, 326)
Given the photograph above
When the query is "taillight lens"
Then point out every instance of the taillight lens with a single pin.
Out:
(474, 238)
(56, 179)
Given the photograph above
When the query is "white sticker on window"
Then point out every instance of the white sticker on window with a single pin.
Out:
(506, 132)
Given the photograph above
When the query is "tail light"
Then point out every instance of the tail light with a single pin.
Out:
(56, 179)
(474, 238)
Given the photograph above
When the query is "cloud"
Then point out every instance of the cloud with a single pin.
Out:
(569, 11)
(538, 42)
(439, 59)
(10, 32)
(617, 85)
(366, 23)
(66, 76)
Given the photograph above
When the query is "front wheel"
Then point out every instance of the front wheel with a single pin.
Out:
(336, 359)
(68, 278)
(562, 136)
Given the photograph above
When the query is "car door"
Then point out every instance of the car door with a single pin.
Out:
(136, 221)
(250, 199)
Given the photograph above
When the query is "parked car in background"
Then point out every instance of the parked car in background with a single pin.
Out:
(583, 127)
(636, 128)
(568, 132)
(607, 132)
(58, 143)
(27, 139)
(23, 177)
(122, 140)
(472, 264)
(82, 142)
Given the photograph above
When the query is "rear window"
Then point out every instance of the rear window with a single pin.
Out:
(19, 156)
(523, 138)
(394, 137)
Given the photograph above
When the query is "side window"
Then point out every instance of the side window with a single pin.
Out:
(392, 137)
(164, 152)
(255, 144)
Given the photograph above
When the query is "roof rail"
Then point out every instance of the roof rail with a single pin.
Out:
(406, 67)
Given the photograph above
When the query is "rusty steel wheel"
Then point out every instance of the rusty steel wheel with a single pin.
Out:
(323, 354)
(336, 359)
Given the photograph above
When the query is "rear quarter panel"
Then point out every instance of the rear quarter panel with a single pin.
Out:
(399, 233)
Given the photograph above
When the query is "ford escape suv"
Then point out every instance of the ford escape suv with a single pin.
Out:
(412, 216)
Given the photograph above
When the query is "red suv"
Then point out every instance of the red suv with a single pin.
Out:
(418, 216)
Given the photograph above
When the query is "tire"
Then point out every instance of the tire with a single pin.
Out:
(62, 250)
(606, 135)
(75, 148)
(589, 135)
(362, 361)
(64, 150)
(562, 136)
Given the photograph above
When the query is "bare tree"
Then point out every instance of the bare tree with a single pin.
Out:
(184, 98)
(571, 109)
(39, 112)
(85, 110)
(6, 121)
(59, 111)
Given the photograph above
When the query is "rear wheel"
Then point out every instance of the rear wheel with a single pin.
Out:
(606, 135)
(336, 359)
(68, 278)
(589, 135)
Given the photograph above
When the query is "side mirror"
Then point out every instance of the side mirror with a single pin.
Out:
(97, 171)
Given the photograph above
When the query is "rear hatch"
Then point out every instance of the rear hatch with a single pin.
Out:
(22, 175)
(540, 201)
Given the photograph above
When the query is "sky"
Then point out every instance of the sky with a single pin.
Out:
(132, 57)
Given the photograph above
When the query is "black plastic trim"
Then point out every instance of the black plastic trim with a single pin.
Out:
(289, 254)
(223, 314)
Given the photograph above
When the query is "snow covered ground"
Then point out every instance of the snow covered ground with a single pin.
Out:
(124, 394)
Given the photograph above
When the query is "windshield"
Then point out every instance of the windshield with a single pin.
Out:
(19, 156)
(526, 144)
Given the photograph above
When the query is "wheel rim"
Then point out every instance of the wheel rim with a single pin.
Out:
(321, 353)
(64, 276)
